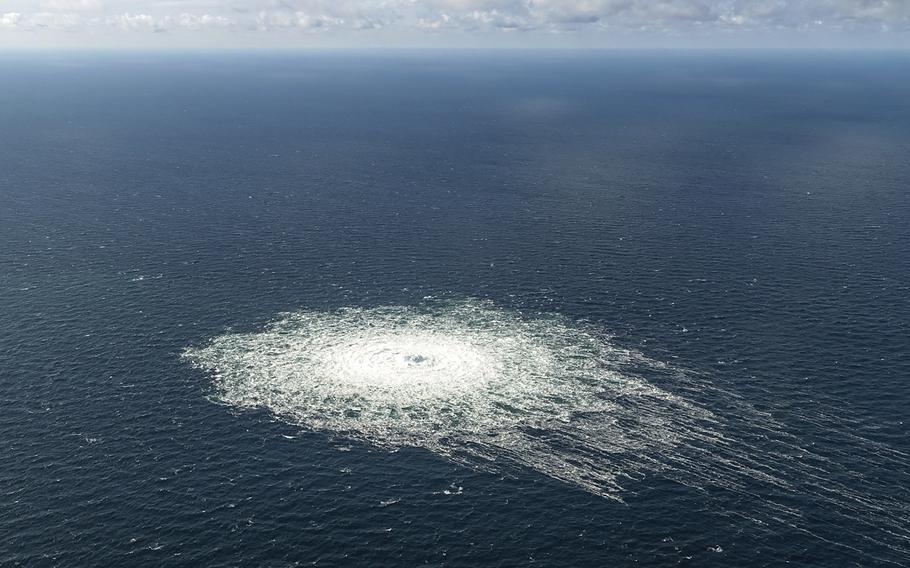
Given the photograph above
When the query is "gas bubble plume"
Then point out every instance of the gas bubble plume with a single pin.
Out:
(465, 380)
(496, 390)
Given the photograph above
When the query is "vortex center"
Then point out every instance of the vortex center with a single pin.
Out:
(416, 359)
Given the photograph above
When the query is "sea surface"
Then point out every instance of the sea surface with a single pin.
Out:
(457, 309)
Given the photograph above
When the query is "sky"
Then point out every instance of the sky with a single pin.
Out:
(269, 24)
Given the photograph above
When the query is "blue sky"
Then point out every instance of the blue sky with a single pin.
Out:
(453, 23)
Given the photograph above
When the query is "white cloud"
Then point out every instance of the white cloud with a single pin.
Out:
(201, 21)
(300, 20)
(591, 18)
(41, 21)
(133, 22)
(10, 20)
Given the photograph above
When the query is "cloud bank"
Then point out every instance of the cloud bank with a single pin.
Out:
(273, 23)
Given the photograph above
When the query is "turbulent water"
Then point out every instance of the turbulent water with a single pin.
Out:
(455, 309)
(494, 389)
(465, 380)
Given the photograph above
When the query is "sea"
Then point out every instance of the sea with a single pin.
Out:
(455, 308)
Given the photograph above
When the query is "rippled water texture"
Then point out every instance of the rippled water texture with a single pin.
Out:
(466, 310)
(493, 389)
(464, 380)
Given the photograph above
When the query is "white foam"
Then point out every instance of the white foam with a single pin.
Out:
(465, 380)
(492, 388)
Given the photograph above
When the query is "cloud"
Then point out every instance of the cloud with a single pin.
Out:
(185, 21)
(10, 20)
(201, 21)
(591, 18)
(133, 22)
(41, 21)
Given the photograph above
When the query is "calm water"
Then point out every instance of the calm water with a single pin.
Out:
(743, 220)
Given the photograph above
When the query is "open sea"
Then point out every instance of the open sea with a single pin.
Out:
(455, 309)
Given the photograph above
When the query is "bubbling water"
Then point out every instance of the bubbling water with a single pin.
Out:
(401, 358)
(493, 389)
(465, 380)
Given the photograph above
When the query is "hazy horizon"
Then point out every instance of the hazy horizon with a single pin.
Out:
(404, 24)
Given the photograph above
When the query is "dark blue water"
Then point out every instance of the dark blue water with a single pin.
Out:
(746, 218)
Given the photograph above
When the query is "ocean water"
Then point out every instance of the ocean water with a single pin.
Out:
(455, 309)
